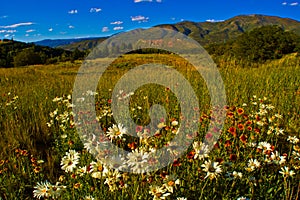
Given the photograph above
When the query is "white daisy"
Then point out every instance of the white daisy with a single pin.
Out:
(69, 161)
(117, 131)
(158, 192)
(201, 150)
(286, 172)
(213, 169)
(138, 160)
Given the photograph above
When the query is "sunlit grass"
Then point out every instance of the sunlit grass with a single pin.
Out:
(26, 102)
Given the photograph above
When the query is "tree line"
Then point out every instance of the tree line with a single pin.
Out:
(15, 54)
(259, 45)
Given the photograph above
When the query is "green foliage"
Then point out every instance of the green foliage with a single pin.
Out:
(259, 45)
(13, 53)
(27, 57)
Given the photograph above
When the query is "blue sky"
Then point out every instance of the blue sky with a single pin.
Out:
(32, 20)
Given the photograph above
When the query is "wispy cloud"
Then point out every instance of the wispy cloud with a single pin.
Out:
(284, 3)
(73, 12)
(17, 25)
(95, 10)
(214, 20)
(30, 31)
(3, 17)
(117, 28)
(138, 1)
(116, 22)
(139, 18)
(50, 29)
(27, 35)
(105, 29)
(294, 4)
(7, 35)
(71, 27)
(8, 31)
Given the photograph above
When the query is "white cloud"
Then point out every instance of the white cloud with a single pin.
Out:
(214, 20)
(8, 31)
(73, 11)
(116, 22)
(17, 25)
(284, 3)
(30, 30)
(7, 35)
(3, 17)
(26, 35)
(50, 29)
(294, 4)
(138, 1)
(140, 18)
(95, 10)
(71, 26)
(105, 29)
(117, 28)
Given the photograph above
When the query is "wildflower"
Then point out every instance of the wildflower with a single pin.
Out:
(237, 174)
(81, 170)
(201, 150)
(158, 192)
(296, 155)
(116, 131)
(234, 175)
(240, 111)
(138, 160)
(113, 177)
(69, 161)
(181, 198)
(242, 198)
(98, 169)
(174, 123)
(286, 173)
(277, 159)
(241, 126)
(46, 190)
(42, 190)
(77, 185)
(232, 130)
(278, 116)
(89, 197)
(170, 182)
(279, 131)
(264, 146)
(213, 169)
(293, 140)
(252, 165)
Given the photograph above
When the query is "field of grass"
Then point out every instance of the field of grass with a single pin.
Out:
(256, 157)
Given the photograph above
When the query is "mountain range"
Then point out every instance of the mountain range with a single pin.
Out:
(203, 32)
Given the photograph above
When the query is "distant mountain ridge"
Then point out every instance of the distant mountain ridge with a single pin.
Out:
(203, 32)
(61, 42)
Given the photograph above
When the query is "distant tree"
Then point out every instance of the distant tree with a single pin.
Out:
(261, 44)
(27, 57)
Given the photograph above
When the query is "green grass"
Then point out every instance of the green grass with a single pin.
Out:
(23, 126)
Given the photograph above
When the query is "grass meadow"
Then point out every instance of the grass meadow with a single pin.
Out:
(257, 155)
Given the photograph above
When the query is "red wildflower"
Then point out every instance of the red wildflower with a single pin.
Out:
(176, 163)
(243, 138)
(232, 130)
(240, 111)
(233, 157)
(241, 126)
